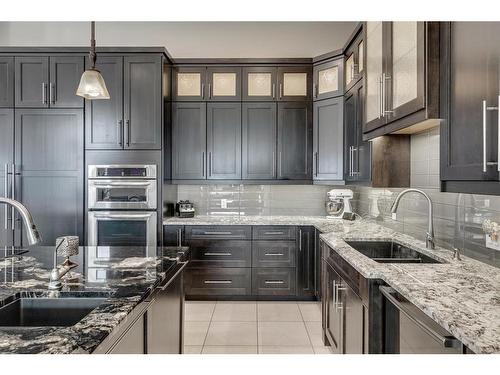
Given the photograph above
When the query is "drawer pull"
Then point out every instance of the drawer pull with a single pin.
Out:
(273, 233)
(274, 254)
(217, 254)
(218, 233)
(274, 282)
(218, 281)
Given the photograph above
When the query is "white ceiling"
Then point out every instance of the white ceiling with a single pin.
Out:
(190, 39)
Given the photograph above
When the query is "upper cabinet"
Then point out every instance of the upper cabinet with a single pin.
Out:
(259, 83)
(294, 83)
(6, 81)
(43, 81)
(199, 83)
(469, 107)
(328, 79)
(133, 116)
(402, 75)
(353, 65)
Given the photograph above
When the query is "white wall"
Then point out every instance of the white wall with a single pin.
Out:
(189, 39)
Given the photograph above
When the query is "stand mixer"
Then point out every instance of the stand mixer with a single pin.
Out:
(339, 204)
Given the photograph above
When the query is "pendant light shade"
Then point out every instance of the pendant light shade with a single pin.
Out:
(92, 85)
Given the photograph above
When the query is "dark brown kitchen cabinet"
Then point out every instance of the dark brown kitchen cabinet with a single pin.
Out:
(259, 141)
(469, 106)
(332, 317)
(6, 81)
(133, 340)
(189, 140)
(6, 161)
(65, 73)
(354, 320)
(104, 118)
(357, 161)
(306, 263)
(223, 83)
(142, 97)
(224, 141)
(173, 235)
(294, 141)
(48, 151)
(259, 83)
(354, 62)
(328, 139)
(43, 81)
(402, 75)
(188, 83)
(294, 83)
(328, 79)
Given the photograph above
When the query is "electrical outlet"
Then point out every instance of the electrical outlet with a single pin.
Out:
(223, 203)
(495, 245)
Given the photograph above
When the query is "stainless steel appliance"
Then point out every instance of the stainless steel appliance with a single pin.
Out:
(339, 203)
(184, 209)
(409, 331)
(122, 203)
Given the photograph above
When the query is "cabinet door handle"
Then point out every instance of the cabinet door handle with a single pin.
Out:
(316, 164)
(203, 91)
(485, 110)
(383, 94)
(120, 132)
(52, 93)
(274, 233)
(281, 90)
(210, 163)
(179, 237)
(209, 91)
(127, 132)
(274, 164)
(274, 282)
(274, 254)
(44, 93)
(300, 240)
(380, 89)
(498, 141)
(217, 254)
(385, 110)
(6, 193)
(13, 187)
(274, 90)
(217, 281)
(315, 92)
(203, 164)
(218, 233)
(279, 164)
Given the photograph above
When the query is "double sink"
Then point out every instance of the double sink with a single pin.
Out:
(390, 252)
(64, 311)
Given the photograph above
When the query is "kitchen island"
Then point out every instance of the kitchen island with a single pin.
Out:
(463, 296)
(123, 277)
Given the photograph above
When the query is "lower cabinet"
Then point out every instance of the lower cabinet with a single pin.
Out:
(345, 312)
(133, 340)
(249, 261)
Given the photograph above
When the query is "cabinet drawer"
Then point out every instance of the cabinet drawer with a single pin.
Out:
(220, 253)
(274, 232)
(273, 253)
(273, 281)
(218, 282)
(218, 232)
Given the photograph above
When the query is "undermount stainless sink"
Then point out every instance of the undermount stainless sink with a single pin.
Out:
(47, 312)
(390, 252)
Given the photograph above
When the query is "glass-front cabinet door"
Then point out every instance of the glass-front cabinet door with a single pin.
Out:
(259, 83)
(353, 68)
(189, 83)
(294, 83)
(328, 78)
(405, 77)
(224, 84)
(374, 37)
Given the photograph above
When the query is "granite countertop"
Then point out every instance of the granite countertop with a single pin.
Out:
(461, 296)
(125, 276)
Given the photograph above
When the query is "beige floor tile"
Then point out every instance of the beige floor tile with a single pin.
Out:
(322, 350)
(232, 333)
(278, 312)
(192, 349)
(236, 349)
(315, 333)
(286, 350)
(235, 312)
(311, 311)
(198, 311)
(195, 332)
(283, 334)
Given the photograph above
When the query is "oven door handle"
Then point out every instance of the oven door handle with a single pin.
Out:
(107, 184)
(446, 341)
(118, 215)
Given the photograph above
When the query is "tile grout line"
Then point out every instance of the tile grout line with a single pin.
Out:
(305, 327)
(208, 329)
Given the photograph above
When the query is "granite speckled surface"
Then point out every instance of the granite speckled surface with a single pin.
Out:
(124, 276)
(461, 296)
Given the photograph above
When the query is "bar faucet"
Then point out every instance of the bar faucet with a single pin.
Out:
(429, 237)
(31, 230)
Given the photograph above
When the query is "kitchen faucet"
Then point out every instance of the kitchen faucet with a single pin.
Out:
(31, 231)
(429, 237)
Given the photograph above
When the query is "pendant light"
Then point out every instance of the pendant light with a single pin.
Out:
(92, 84)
